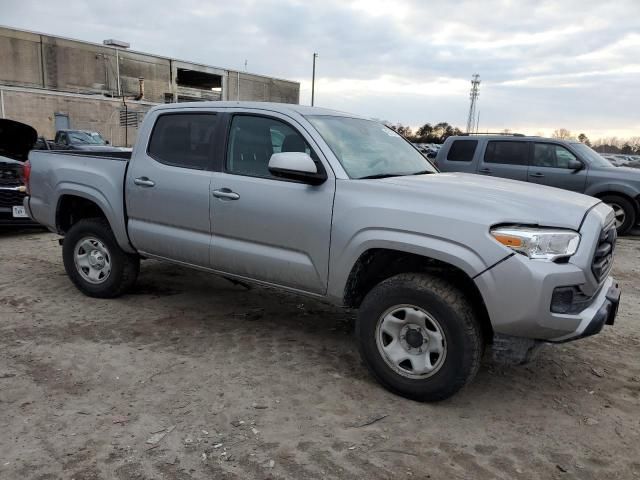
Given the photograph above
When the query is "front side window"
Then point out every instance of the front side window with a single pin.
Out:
(550, 155)
(368, 149)
(184, 140)
(507, 153)
(462, 150)
(252, 141)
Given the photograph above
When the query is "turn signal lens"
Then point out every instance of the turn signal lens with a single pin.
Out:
(508, 240)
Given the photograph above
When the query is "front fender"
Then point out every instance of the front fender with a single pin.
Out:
(453, 253)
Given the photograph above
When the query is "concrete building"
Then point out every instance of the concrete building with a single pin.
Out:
(52, 82)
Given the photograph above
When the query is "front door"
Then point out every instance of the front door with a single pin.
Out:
(550, 166)
(505, 159)
(266, 228)
(167, 188)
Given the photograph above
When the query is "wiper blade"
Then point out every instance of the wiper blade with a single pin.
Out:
(387, 175)
(381, 175)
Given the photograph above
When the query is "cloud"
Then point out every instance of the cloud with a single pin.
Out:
(569, 63)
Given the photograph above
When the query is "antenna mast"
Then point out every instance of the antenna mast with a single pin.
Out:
(473, 95)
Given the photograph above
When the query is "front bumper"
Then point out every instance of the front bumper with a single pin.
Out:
(518, 292)
(601, 312)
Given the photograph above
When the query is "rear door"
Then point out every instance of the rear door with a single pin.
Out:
(264, 227)
(167, 188)
(505, 159)
(550, 166)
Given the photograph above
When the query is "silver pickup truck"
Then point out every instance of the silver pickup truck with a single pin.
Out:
(340, 208)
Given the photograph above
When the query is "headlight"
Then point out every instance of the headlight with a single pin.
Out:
(538, 243)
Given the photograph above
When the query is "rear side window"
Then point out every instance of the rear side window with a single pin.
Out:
(507, 153)
(184, 140)
(462, 150)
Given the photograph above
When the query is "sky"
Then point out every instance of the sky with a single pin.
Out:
(543, 65)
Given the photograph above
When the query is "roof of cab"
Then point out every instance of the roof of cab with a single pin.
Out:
(286, 108)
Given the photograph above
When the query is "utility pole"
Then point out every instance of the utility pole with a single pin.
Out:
(473, 95)
(313, 78)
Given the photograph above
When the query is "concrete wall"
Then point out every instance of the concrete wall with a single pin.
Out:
(261, 89)
(20, 59)
(35, 60)
(38, 109)
(46, 75)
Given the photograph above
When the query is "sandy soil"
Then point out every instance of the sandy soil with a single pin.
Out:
(191, 377)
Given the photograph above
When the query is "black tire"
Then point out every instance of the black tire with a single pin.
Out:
(124, 266)
(627, 207)
(456, 318)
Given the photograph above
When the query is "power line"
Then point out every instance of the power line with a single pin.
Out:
(473, 95)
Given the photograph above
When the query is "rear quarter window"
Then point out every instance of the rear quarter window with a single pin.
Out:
(462, 150)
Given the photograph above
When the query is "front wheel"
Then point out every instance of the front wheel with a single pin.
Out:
(419, 337)
(95, 263)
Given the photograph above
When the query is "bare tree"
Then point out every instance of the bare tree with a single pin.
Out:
(562, 134)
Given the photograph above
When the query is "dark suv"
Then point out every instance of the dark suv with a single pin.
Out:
(557, 163)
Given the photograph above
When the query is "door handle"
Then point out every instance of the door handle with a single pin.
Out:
(225, 193)
(144, 182)
(536, 175)
(484, 170)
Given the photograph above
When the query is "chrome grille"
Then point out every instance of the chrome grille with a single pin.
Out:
(603, 256)
(10, 198)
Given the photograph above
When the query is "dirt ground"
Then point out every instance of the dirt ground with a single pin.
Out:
(191, 377)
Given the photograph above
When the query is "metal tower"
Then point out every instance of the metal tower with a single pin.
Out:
(473, 95)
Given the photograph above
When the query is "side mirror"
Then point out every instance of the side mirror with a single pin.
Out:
(575, 165)
(296, 166)
(106, 142)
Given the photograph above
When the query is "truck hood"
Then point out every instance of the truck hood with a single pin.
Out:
(16, 139)
(616, 173)
(493, 201)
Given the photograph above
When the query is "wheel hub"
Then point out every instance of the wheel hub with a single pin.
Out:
(411, 341)
(96, 259)
(92, 260)
(414, 338)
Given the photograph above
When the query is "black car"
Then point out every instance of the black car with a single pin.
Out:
(16, 140)
(83, 140)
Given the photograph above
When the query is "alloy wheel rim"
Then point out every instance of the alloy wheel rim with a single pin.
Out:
(92, 260)
(620, 215)
(411, 341)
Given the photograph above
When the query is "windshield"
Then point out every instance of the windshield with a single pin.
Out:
(591, 155)
(368, 149)
(90, 138)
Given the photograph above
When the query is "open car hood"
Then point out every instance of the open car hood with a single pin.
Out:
(16, 139)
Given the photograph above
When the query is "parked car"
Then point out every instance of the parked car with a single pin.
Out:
(83, 140)
(343, 209)
(545, 161)
(16, 139)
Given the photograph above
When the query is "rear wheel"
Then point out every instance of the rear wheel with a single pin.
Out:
(625, 214)
(95, 263)
(419, 337)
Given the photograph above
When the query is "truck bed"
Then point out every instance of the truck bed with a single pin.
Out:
(95, 176)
